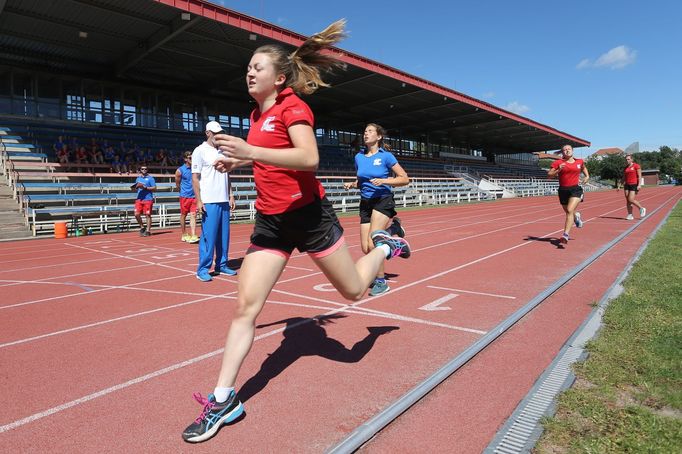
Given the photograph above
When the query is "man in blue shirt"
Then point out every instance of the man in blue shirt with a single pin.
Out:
(145, 187)
(188, 201)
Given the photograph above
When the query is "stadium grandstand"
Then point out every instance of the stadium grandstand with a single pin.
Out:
(140, 78)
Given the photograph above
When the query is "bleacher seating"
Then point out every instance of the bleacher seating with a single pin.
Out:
(49, 192)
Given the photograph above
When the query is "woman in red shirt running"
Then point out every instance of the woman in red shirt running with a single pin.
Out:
(292, 210)
(570, 193)
(632, 175)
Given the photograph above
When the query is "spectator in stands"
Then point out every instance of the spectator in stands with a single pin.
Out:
(377, 171)
(63, 155)
(130, 159)
(74, 144)
(81, 157)
(162, 158)
(568, 169)
(174, 158)
(141, 156)
(149, 155)
(632, 177)
(58, 145)
(214, 201)
(109, 155)
(145, 187)
(119, 165)
(95, 155)
(188, 202)
(292, 211)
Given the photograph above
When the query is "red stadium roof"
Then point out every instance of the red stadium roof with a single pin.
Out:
(152, 43)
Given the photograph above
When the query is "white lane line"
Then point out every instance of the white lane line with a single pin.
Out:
(469, 291)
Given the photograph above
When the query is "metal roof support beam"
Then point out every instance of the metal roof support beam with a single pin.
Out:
(156, 40)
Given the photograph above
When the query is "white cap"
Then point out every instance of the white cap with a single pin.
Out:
(214, 126)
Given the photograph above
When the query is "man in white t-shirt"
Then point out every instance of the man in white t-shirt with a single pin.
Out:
(214, 201)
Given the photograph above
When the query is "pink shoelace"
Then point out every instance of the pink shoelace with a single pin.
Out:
(208, 405)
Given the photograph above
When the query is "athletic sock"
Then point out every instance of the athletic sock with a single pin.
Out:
(221, 394)
(386, 248)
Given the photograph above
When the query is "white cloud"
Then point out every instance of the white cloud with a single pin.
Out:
(517, 107)
(616, 58)
(584, 63)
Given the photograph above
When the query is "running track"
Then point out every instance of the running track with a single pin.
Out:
(103, 339)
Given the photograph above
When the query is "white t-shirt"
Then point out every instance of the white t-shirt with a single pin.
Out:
(214, 185)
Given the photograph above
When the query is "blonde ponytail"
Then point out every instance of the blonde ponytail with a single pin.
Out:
(302, 68)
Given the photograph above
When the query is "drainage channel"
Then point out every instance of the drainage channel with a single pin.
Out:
(367, 430)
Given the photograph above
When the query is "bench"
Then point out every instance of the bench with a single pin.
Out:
(79, 220)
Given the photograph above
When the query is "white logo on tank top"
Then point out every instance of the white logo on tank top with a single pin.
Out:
(267, 124)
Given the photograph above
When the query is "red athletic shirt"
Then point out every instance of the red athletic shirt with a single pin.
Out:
(631, 174)
(281, 190)
(570, 174)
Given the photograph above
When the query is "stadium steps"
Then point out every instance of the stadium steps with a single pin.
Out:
(12, 223)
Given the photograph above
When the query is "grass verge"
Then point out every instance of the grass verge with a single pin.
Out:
(628, 394)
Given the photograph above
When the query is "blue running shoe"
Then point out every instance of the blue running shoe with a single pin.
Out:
(379, 287)
(203, 276)
(398, 246)
(225, 270)
(578, 220)
(212, 416)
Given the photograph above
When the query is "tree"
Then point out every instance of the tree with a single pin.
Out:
(594, 166)
(612, 168)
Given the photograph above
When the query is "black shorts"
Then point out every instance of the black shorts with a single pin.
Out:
(568, 192)
(384, 205)
(311, 228)
(631, 187)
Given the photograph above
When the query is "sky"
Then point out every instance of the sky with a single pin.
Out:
(609, 72)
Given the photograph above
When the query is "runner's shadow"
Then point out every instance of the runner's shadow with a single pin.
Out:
(612, 217)
(553, 241)
(235, 264)
(306, 337)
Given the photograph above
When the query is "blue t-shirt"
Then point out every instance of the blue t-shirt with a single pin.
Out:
(376, 166)
(144, 194)
(186, 189)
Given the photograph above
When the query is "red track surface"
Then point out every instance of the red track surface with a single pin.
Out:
(103, 339)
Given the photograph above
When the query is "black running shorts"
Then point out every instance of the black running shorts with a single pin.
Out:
(569, 192)
(384, 205)
(311, 228)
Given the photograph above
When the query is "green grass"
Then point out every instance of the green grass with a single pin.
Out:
(628, 394)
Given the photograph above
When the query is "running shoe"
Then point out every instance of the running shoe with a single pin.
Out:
(185, 238)
(142, 230)
(225, 270)
(203, 276)
(212, 416)
(642, 212)
(564, 239)
(379, 287)
(147, 233)
(578, 220)
(398, 246)
(397, 228)
(629, 217)
(193, 239)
